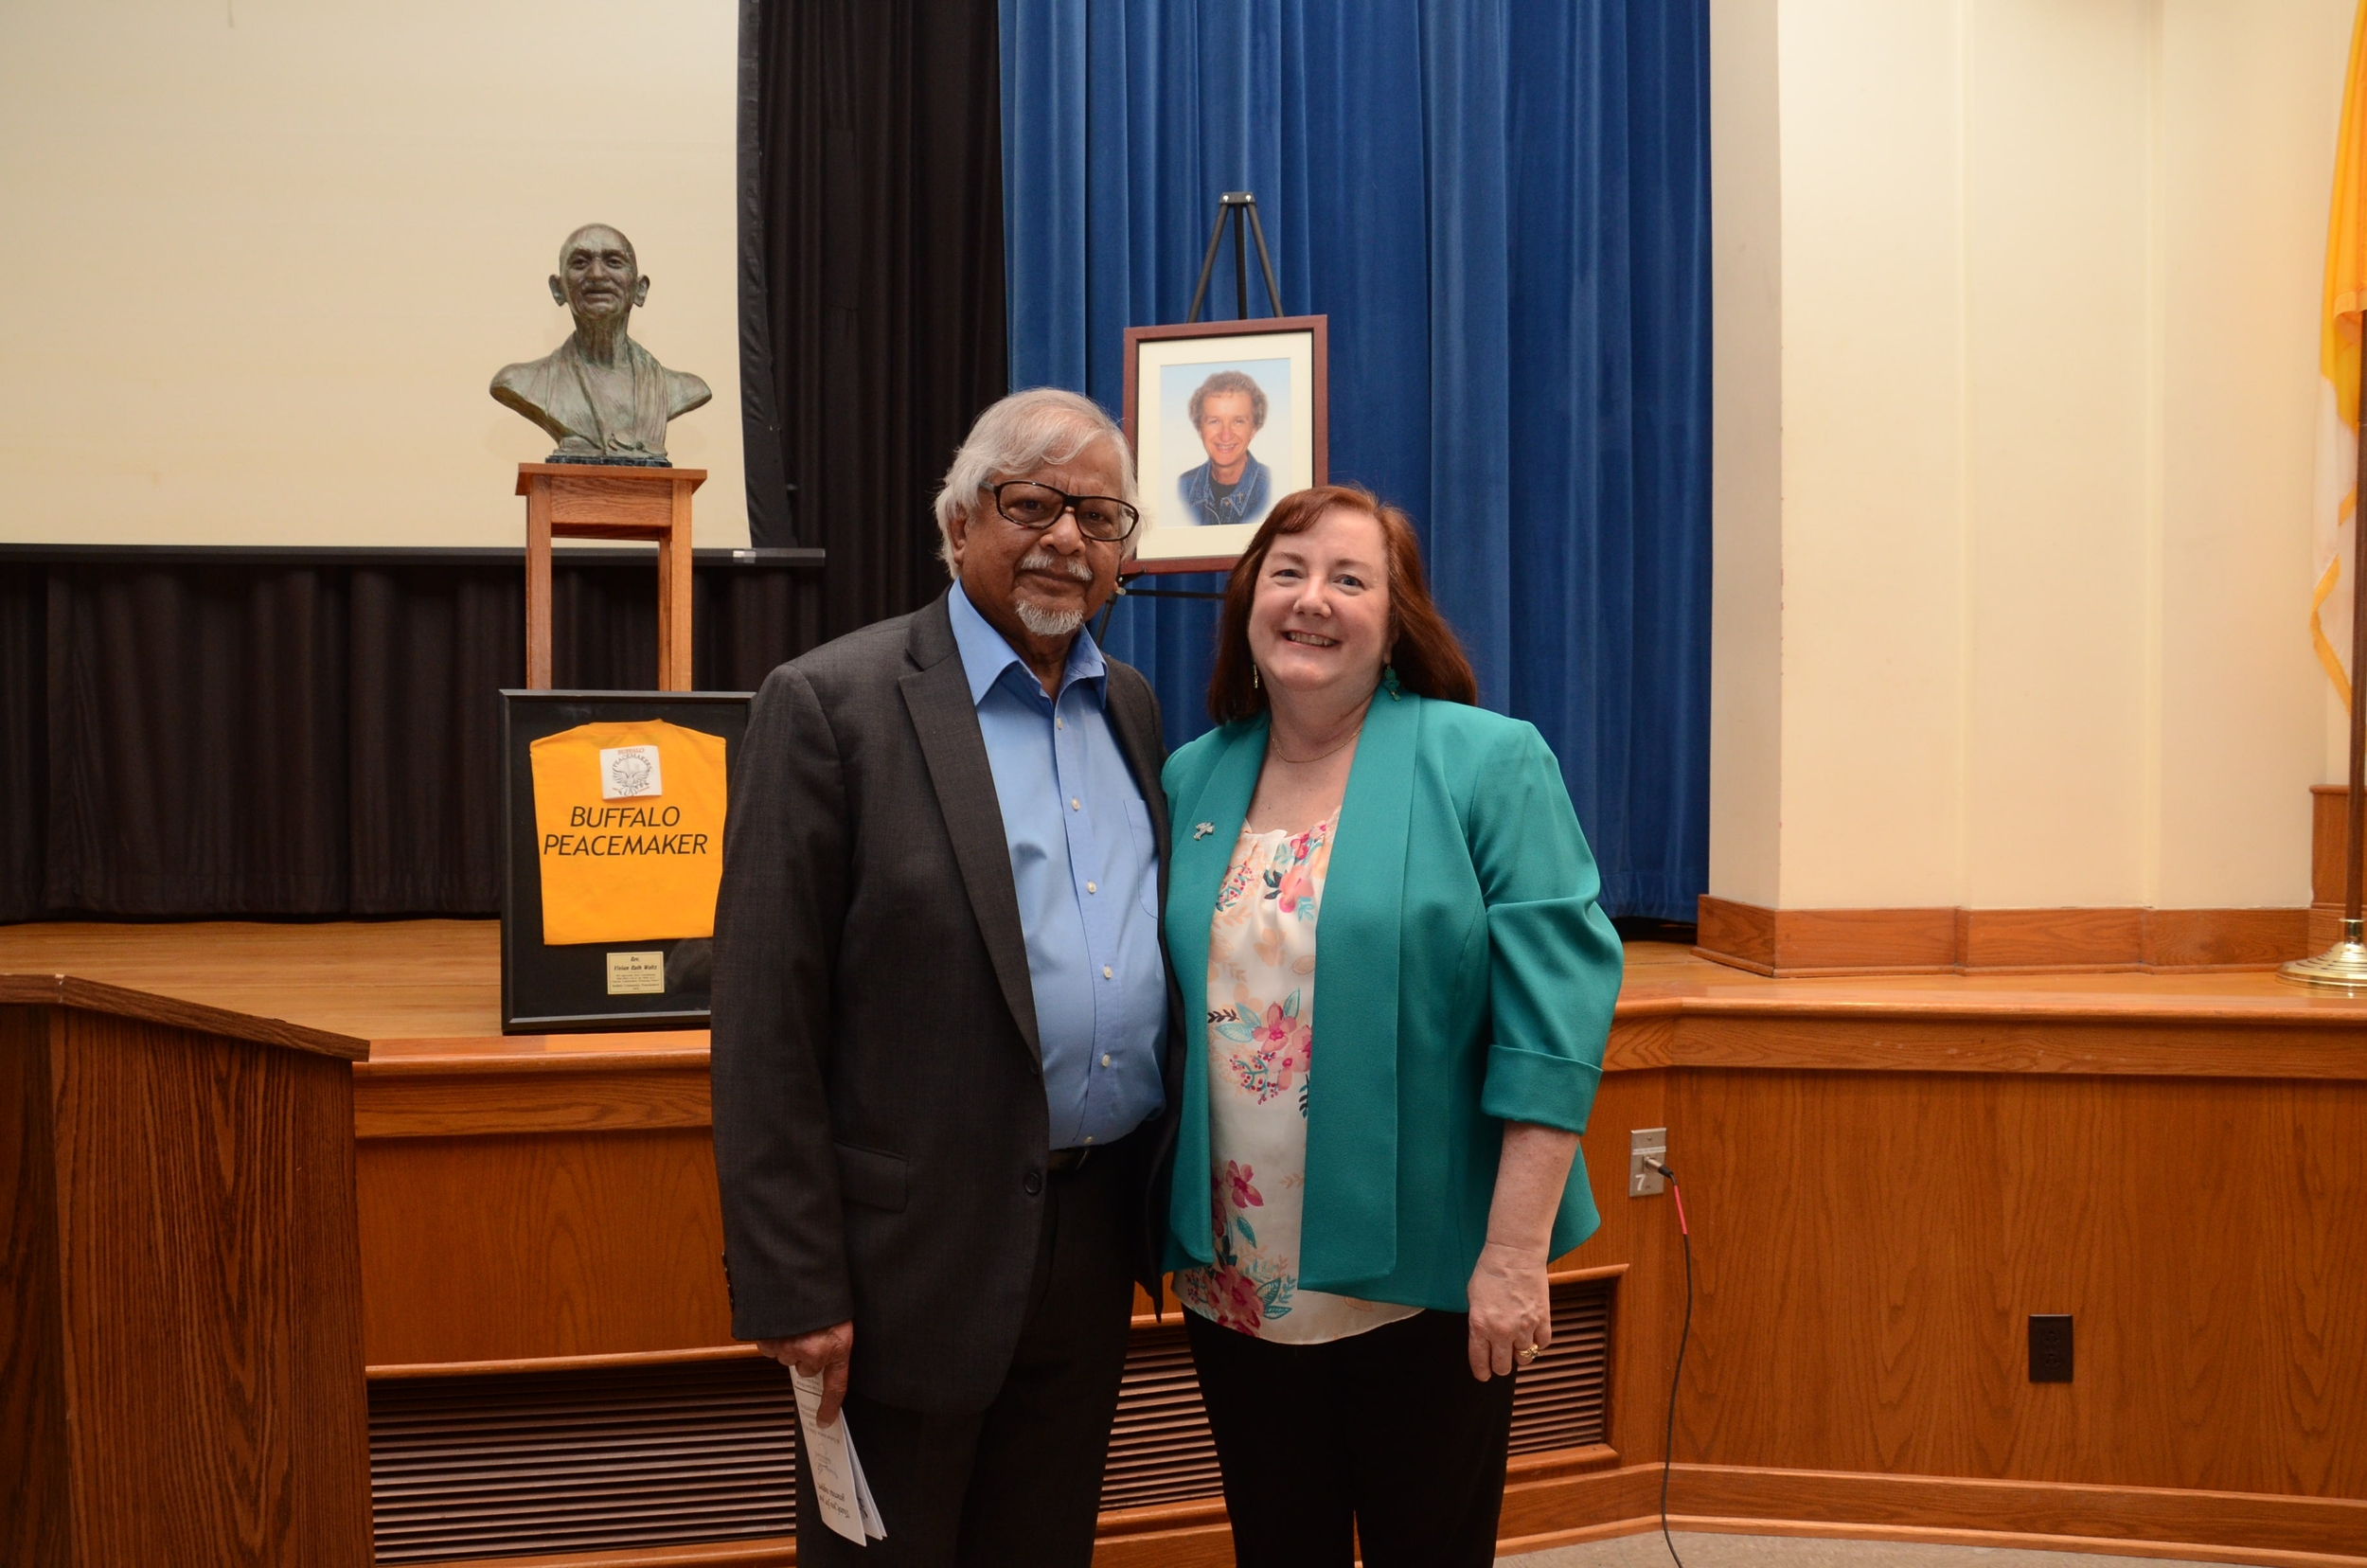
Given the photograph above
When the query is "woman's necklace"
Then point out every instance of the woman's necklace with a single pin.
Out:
(1303, 762)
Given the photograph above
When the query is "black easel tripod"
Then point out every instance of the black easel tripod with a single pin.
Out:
(1233, 207)
(1237, 208)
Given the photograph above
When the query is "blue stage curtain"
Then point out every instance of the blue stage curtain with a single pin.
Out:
(1502, 206)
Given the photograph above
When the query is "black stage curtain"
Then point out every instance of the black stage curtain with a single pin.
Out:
(24, 738)
(871, 278)
(185, 736)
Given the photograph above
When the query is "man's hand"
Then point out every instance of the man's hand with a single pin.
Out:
(825, 1351)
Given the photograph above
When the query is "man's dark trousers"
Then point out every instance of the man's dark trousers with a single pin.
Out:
(1018, 1485)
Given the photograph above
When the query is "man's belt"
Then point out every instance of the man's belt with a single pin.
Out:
(1068, 1161)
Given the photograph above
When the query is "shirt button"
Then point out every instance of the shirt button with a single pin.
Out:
(1056, 722)
(1073, 805)
(1091, 887)
(1105, 1058)
(1108, 973)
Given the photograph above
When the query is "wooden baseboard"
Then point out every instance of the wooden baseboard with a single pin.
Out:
(761, 1552)
(2329, 831)
(1786, 943)
(2181, 1551)
(1552, 1501)
(2141, 1521)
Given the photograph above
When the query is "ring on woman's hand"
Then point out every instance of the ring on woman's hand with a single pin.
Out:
(1531, 1353)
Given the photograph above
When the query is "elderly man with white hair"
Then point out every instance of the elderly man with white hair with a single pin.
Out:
(946, 1054)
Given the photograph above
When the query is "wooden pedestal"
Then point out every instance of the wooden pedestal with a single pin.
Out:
(597, 501)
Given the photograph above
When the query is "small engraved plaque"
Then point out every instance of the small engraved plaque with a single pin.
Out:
(636, 974)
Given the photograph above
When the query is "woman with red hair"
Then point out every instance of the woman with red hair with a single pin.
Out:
(1363, 1205)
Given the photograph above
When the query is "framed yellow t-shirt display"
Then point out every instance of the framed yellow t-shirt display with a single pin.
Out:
(614, 812)
(628, 831)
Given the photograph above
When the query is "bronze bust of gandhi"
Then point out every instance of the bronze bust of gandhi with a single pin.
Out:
(603, 398)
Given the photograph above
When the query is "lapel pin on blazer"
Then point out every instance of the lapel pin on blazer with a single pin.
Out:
(1202, 829)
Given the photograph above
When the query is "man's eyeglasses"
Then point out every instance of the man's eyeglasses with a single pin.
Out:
(1034, 505)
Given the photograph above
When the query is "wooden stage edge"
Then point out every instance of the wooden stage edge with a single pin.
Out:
(1886, 1175)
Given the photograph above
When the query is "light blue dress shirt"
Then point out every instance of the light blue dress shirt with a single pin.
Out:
(1086, 867)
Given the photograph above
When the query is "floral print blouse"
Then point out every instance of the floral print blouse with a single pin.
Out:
(1261, 1041)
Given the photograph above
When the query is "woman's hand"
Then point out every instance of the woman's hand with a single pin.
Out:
(1511, 1308)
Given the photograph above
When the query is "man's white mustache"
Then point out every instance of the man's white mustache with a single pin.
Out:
(1045, 559)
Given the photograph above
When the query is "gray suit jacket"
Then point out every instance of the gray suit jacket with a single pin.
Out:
(880, 1128)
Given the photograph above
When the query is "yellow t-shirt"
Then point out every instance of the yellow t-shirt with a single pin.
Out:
(628, 824)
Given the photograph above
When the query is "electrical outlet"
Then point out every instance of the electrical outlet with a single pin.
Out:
(1643, 1180)
(2050, 1348)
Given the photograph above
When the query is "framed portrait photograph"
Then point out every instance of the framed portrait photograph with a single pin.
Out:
(613, 828)
(1226, 418)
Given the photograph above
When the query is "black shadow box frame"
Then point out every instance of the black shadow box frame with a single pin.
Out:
(562, 990)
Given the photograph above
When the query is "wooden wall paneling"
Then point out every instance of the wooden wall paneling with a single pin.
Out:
(1825, 941)
(523, 1246)
(1643, 1035)
(1868, 1248)
(621, 1091)
(35, 1499)
(2015, 1038)
(211, 1298)
(2224, 938)
(2329, 833)
(2094, 939)
(1544, 1509)
(1742, 934)
(2330, 829)
(1640, 1232)
(1810, 942)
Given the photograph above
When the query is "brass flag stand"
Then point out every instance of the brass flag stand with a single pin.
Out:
(2343, 966)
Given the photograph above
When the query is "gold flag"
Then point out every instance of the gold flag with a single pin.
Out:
(2335, 527)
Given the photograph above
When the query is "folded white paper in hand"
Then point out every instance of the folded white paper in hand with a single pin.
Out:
(828, 1454)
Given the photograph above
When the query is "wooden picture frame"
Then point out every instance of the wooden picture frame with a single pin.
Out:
(1286, 360)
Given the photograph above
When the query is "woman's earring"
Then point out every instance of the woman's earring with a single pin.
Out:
(1389, 679)
(1254, 682)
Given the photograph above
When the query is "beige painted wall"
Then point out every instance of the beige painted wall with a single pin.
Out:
(267, 254)
(2012, 577)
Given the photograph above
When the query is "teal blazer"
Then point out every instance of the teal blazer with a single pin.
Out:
(1465, 978)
